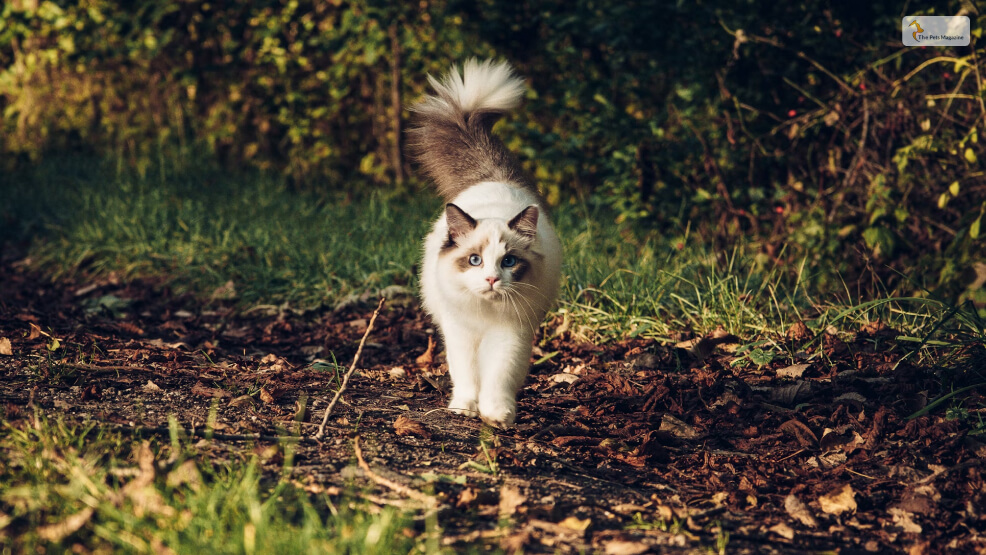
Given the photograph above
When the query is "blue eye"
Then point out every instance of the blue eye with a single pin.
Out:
(509, 261)
(475, 260)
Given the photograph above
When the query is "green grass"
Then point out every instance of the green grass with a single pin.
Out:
(65, 485)
(195, 228)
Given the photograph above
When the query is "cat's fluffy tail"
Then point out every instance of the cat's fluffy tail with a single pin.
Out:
(451, 135)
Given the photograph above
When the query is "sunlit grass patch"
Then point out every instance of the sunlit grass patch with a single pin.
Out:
(78, 486)
(251, 238)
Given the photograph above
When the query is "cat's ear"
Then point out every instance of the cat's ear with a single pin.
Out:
(459, 223)
(526, 223)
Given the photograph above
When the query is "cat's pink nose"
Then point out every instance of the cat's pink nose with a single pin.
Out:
(492, 280)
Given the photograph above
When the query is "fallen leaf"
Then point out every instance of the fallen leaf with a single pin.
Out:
(873, 327)
(35, 332)
(798, 429)
(833, 440)
(905, 521)
(151, 387)
(510, 499)
(428, 358)
(242, 401)
(619, 547)
(577, 524)
(827, 461)
(225, 292)
(5, 347)
(266, 396)
(187, 473)
(799, 511)
(783, 530)
(58, 531)
(466, 498)
(564, 378)
(839, 500)
(851, 397)
(798, 332)
(793, 371)
(678, 428)
(405, 426)
(92, 393)
(515, 543)
(788, 394)
(204, 391)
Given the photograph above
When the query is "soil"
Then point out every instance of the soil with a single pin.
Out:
(631, 446)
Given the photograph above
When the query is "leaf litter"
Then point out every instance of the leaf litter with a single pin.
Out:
(631, 446)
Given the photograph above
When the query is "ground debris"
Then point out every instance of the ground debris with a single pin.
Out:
(627, 447)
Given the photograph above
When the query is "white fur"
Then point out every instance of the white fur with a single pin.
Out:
(484, 85)
(488, 335)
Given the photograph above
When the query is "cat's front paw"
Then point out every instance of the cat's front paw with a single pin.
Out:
(499, 414)
(467, 407)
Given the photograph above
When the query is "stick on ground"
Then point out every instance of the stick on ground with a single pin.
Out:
(352, 368)
(399, 488)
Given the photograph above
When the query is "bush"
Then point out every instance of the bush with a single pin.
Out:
(799, 124)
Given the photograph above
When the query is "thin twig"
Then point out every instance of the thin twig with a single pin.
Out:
(352, 368)
(399, 488)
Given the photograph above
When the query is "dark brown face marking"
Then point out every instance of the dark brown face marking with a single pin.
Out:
(519, 270)
(526, 223)
(462, 262)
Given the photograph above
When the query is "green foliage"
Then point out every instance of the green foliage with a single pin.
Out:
(303, 87)
(68, 487)
(797, 124)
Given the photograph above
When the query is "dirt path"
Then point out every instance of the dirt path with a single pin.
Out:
(619, 448)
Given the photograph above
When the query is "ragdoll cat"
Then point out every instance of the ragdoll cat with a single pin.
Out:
(492, 261)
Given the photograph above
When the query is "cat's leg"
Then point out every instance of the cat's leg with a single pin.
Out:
(504, 359)
(460, 352)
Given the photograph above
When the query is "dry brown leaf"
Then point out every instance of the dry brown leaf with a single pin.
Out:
(839, 500)
(619, 547)
(515, 543)
(266, 396)
(35, 332)
(187, 473)
(5, 347)
(873, 327)
(793, 371)
(510, 499)
(225, 292)
(130, 327)
(783, 530)
(827, 461)
(798, 429)
(678, 428)
(58, 531)
(788, 394)
(905, 520)
(405, 426)
(241, 401)
(204, 391)
(428, 358)
(577, 524)
(799, 511)
(466, 497)
(798, 332)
